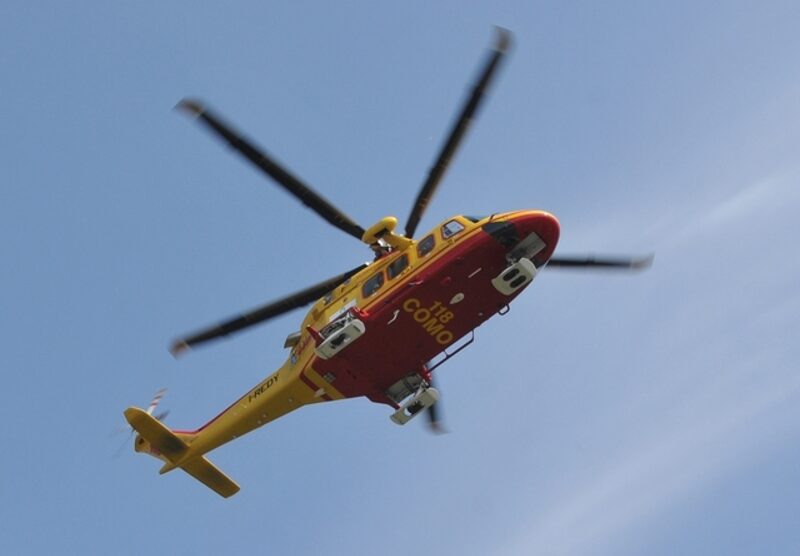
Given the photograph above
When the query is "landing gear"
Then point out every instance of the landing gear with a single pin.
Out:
(424, 398)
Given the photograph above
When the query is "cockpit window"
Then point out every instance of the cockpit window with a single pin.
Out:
(396, 267)
(451, 228)
(426, 245)
(474, 219)
(372, 285)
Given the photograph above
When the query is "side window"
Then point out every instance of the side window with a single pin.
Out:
(396, 267)
(426, 245)
(372, 285)
(451, 228)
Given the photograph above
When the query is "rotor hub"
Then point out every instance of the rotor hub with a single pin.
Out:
(384, 230)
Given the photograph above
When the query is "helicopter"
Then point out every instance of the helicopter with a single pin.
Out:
(380, 329)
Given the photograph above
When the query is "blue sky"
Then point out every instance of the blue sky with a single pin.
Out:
(655, 413)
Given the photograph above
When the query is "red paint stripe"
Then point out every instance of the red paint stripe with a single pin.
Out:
(308, 382)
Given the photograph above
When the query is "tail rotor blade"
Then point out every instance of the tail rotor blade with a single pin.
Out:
(156, 400)
(161, 416)
(125, 442)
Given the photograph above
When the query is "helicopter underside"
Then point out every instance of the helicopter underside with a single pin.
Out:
(377, 330)
(442, 301)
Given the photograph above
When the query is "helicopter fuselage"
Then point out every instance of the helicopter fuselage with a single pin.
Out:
(379, 330)
(413, 303)
(442, 292)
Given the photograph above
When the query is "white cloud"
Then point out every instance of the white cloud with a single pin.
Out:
(652, 476)
(758, 201)
(713, 400)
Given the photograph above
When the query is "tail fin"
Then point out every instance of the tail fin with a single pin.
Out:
(166, 445)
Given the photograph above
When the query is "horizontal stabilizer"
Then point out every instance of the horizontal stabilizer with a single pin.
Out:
(208, 474)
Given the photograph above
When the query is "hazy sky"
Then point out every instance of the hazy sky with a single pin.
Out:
(605, 414)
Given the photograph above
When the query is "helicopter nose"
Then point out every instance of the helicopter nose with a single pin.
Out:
(544, 225)
(532, 234)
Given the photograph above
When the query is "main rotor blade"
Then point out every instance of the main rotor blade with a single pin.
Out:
(465, 118)
(610, 263)
(434, 420)
(435, 424)
(257, 156)
(268, 311)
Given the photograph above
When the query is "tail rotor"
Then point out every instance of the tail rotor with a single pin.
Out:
(154, 404)
(160, 416)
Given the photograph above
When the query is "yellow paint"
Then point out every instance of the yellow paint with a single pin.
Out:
(284, 390)
(384, 230)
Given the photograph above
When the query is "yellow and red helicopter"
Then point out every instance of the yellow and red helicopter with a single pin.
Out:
(380, 329)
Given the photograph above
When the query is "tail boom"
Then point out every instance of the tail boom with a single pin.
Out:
(284, 391)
